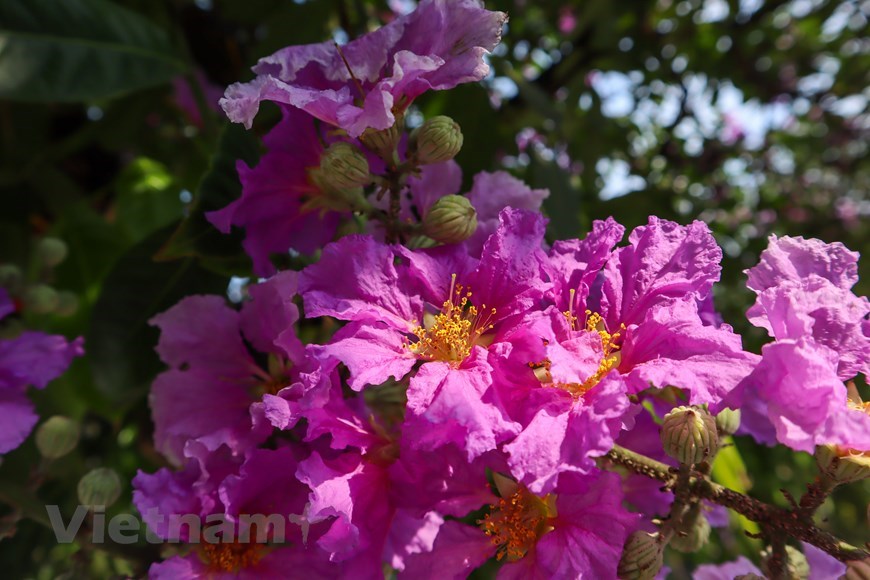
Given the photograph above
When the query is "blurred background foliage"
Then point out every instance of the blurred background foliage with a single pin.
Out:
(751, 115)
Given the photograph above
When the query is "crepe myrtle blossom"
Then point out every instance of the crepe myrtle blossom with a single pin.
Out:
(284, 204)
(796, 395)
(372, 80)
(439, 307)
(230, 539)
(382, 503)
(645, 305)
(212, 392)
(566, 375)
(578, 531)
(29, 359)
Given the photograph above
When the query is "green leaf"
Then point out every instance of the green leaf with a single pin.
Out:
(730, 470)
(563, 204)
(120, 342)
(78, 50)
(148, 198)
(196, 236)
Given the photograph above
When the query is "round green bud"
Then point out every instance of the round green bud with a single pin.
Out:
(344, 166)
(842, 465)
(728, 421)
(796, 567)
(41, 299)
(51, 251)
(858, 570)
(100, 487)
(67, 303)
(382, 142)
(438, 139)
(642, 557)
(692, 533)
(450, 220)
(689, 435)
(10, 276)
(57, 437)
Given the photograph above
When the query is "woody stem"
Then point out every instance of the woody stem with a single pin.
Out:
(794, 523)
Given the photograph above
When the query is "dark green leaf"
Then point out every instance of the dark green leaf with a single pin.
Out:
(77, 50)
(196, 236)
(120, 343)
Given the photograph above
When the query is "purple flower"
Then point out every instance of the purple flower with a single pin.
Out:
(209, 391)
(490, 194)
(440, 307)
(797, 390)
(643, 301)
(30, 359)
(804, 289)
(570, 409)
(372, 79)
(796, 395)
(726, 571)
(579, 530)
(253, 517)
(281, 206)
(651, 293)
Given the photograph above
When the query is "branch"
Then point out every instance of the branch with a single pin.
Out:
(795, 523)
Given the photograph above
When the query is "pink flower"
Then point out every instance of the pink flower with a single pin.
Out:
(371, 80)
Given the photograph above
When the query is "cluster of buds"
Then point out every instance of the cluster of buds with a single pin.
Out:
(37, 296)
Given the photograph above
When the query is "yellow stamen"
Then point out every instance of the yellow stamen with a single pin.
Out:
(232, 556)
(610, 359)
(451, 334)
(518, 521)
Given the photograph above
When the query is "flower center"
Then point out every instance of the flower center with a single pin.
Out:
(517, 522)
(451, 334)
(610, 356)
(232, 556)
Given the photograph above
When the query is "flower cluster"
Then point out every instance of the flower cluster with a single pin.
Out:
(439, 387)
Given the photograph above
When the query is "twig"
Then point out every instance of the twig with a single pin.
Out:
(794, 523)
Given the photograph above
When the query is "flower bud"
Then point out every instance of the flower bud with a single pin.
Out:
(842, 465)
(67, 303)
(796, 567)
(344, 166)
(57, 437)
(10, 277)
(728, 421)
(438, 139)
(51, 251)
(41, 299)
(100, 487)
(689, 435)
(382, 142)
(419, 242)
(450, 220)
(641, 557)
(692, 533)
(749, 576)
